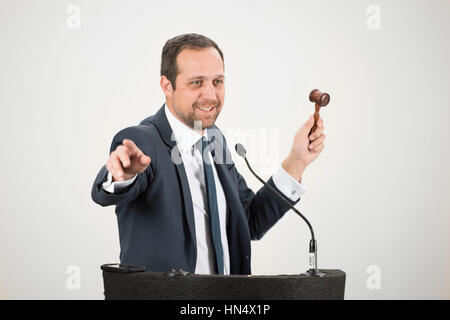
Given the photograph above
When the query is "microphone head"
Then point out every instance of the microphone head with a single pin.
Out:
(240, 149)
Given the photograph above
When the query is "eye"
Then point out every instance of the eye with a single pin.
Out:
(218, 82)
(196, 83)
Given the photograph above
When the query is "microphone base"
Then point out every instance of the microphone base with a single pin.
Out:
(314, 273)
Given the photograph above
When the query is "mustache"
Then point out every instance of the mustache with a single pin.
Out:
(214, 103)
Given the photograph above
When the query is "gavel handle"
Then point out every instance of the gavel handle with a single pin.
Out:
(316, 118)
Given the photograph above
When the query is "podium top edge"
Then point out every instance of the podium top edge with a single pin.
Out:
(329, 273)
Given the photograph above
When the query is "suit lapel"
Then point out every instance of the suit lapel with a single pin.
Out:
(163, 126)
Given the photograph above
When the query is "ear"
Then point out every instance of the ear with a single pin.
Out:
(166, 86)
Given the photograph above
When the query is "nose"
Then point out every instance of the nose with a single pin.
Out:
(209, 91)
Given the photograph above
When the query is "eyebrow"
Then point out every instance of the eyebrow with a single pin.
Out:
(203, 77)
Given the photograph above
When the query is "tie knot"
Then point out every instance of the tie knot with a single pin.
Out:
(203, 143)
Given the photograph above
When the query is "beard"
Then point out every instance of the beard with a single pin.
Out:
(196, 116)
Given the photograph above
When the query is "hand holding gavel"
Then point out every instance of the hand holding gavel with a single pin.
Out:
(306, 146)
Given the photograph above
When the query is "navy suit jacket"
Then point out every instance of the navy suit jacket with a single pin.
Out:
(155, 214)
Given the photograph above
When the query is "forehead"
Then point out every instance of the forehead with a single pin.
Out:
(199, 62)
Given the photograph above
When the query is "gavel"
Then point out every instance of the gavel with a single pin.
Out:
(321, 100)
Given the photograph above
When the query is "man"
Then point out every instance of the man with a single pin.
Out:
(178, 203)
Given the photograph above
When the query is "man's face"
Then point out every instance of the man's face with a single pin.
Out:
(200, 87)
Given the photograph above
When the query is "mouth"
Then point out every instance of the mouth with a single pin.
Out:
(206, 110)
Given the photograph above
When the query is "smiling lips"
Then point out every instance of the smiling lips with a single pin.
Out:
(206, 109)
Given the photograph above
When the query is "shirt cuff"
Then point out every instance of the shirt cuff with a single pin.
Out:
(116, 186)
(284, 182)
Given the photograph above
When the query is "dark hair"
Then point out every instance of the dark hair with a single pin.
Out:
(175, 45)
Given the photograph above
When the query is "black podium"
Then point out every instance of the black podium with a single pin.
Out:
(179, 285)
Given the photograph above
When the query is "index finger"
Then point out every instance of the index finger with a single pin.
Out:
(131, 146)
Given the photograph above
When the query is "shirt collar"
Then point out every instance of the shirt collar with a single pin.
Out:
(183, 135)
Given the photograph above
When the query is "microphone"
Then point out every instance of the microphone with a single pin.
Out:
(312, 271)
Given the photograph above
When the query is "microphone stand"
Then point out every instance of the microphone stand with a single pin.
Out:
(312, 271)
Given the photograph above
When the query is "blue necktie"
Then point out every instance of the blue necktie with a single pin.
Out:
(212, 206)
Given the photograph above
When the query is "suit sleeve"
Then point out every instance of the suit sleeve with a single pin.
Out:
(262, 209)
(104, 198)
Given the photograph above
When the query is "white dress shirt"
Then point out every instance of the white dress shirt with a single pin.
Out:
(186, 138)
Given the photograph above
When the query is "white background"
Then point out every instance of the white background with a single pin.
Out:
(379, 194)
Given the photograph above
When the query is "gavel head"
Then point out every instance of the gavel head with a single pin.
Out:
(321, 99)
